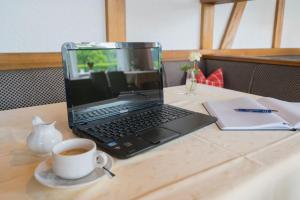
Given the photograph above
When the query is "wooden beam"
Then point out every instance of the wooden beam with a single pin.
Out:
(221, 1)
(278, 22)
(207, 26)
(177, 55)
(253, 52)
(14, 61)
(253, 59)
(233, 24)
(115, 20)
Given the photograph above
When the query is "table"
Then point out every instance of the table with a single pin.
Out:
(206, 164)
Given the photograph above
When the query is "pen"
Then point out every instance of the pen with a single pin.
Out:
(255, 110)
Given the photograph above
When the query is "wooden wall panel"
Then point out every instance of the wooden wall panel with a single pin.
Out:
(233, 24)
(255, 59)
(12, 61)
(177, 55)
(278, 23)
(15, 61)
(207, 26)
(115, 13)
(253, 52)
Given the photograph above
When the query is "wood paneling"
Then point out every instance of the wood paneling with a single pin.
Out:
(221, 1)
(253, 52)
(115, 20)
(278, 22)
(274, 61)
(177, 55)
(207, 26)
(233, 24)
(12, 61)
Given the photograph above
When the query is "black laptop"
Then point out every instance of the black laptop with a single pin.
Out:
(115, 97)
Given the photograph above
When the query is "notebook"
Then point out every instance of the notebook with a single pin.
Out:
(287, 117)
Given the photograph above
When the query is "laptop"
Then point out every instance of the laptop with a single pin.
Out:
(115, 97)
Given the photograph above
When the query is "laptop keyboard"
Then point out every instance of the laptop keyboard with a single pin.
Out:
(136, 123)
(109, 111)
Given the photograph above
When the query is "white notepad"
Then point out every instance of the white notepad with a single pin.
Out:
(287, 117)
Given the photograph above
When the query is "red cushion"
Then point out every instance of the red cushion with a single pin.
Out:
(214, 79)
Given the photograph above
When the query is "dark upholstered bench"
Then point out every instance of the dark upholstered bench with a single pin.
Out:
(24, 88)
(271, 80)
(260, 78)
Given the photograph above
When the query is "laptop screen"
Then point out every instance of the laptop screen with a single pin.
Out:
(107, 79)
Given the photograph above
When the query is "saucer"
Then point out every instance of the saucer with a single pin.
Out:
(45, 175)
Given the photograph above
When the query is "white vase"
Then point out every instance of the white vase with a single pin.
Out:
(43, 136)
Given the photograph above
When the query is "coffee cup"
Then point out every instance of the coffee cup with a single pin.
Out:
(76, 158)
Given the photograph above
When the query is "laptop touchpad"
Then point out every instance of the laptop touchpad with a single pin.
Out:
(157, 135)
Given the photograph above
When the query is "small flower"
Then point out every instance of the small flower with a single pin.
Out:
(195, 56)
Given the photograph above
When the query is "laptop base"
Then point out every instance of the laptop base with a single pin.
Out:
(132, 145)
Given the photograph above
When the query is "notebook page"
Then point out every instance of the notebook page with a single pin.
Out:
(290, 111)
(228, 118)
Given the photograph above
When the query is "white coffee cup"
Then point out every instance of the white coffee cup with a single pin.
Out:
(78, 165)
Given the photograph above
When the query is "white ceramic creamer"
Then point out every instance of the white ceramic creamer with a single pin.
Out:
(43, 136)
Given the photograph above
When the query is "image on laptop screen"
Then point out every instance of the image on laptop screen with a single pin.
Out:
(111, 78)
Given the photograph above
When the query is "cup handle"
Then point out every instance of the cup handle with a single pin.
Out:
(101, 159)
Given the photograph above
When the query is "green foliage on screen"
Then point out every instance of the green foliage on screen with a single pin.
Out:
(106, 60)
(100, 59)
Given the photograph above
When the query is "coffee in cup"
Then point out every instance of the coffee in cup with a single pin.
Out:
(76, 158)
(71, 152)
